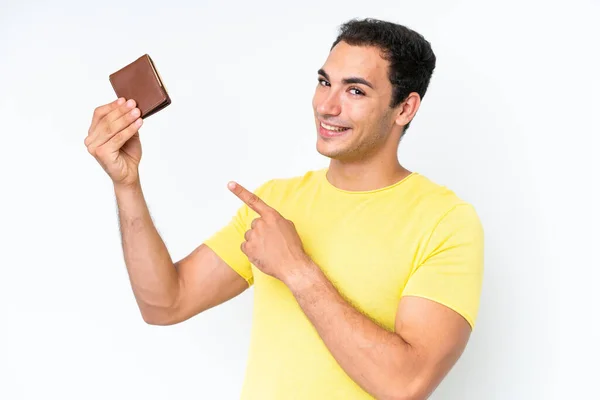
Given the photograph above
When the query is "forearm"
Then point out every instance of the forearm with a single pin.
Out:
(153, 277)
(378, 360)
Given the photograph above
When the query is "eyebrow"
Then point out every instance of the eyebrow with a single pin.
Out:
(352, 79)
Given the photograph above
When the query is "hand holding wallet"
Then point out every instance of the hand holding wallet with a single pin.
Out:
(141, 82)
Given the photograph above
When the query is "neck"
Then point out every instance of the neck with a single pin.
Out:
(365, 175)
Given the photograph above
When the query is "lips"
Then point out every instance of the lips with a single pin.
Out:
(333, 128)
(332, 131)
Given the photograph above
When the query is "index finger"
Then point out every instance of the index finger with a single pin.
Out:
(252, 200)
(101, 111)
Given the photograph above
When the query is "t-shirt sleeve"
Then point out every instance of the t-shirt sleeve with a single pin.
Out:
(227, 241)
(451, 272)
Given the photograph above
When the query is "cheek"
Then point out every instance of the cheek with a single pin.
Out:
(358, 114)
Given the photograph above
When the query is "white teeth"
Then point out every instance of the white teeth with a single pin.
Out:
(332, 128)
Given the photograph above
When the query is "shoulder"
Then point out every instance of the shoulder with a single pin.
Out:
(440, 205)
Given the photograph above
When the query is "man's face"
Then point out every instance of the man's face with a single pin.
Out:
(353, 92)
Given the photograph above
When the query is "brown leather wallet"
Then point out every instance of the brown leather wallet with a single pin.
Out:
(141, 82)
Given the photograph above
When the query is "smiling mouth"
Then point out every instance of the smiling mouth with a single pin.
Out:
(331, 131)
(333, 128)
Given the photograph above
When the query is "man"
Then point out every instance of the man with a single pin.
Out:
(367, 275)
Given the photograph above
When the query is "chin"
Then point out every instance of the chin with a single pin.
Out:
(334, 147)
(329, 150)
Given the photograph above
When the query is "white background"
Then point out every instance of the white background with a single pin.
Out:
(510, 123)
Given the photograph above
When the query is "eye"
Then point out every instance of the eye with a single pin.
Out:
(323, 82)
(357, 92)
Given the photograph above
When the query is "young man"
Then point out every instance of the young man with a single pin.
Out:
(367, 275)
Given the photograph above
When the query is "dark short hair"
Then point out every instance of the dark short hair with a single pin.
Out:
(411, 58)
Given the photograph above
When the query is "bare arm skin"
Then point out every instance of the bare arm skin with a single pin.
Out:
(407, 364)
(167, 292)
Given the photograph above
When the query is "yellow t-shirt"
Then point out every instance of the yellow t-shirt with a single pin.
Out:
(414, 237)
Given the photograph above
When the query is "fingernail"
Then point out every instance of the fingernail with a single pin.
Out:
(120, 101)
(130, 103)
(231, 185)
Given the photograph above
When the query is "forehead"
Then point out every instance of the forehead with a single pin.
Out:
(345, 61)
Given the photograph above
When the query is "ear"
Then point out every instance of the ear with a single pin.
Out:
(407, 109)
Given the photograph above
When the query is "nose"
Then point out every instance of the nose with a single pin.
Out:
(329, 104)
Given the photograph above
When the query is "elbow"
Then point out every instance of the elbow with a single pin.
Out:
(415, 390)
(160, 311)
(413, 396)
(158, 316)
(153, 320)
(405, 395)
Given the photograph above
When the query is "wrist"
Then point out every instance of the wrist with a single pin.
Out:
(127, 187)
(303, 277)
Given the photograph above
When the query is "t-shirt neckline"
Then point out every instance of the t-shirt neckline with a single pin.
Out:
(359, 192)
